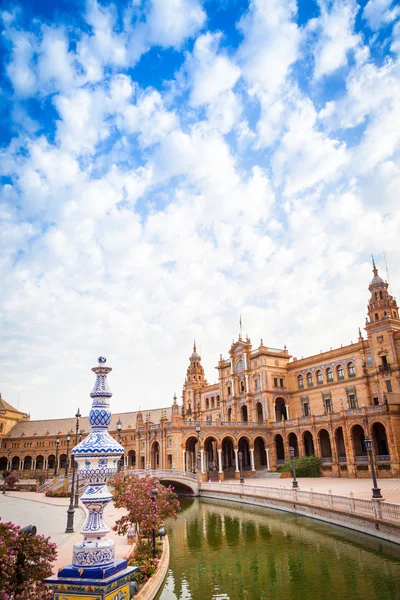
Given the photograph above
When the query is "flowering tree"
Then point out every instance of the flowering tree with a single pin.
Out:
(144, 510)
(25, 560)
(11, 480)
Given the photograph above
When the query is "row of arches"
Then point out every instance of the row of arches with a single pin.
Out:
(327, 375)
(324, 441)
(29, 463)
(244, 413)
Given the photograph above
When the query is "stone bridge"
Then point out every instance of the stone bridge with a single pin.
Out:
(185, 483)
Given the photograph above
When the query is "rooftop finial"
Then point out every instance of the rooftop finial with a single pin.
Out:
(175, 398)
(194, 346)
(374, 269)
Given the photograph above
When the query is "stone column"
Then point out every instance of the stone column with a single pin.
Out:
(202, 460)
(252, 459)
(220, 471)
(267, 454)
(184, 459)
(287, 411)
(237, 472)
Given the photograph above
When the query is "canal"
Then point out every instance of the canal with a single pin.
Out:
(229, 551)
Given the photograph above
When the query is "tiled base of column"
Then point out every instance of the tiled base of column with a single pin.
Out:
(221, 477)
(237, 475)
(92, 583)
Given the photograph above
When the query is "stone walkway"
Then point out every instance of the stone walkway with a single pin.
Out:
(341, 486)
(50, 517)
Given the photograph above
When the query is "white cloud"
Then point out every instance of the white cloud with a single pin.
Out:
(336, 36)
(171, 22)
(379, 12)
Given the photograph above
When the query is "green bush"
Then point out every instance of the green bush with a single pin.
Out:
(57, 494)
(306, 466)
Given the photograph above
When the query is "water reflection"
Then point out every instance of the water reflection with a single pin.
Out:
(230, 552)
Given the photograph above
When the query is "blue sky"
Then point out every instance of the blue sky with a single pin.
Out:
(168, 165)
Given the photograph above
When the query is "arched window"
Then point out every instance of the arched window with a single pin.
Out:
(300, 382)
(309, 380)
(207, 403)
(218, 401)
(329, 375)
(242, 386)
(212, 402)
(340, 372)
(351, 370)
(320, 379)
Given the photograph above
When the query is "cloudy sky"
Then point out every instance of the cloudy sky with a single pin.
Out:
(169, 165)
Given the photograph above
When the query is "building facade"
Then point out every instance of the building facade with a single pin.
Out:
(265, 402)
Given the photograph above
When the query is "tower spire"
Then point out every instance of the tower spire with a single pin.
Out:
(374, 269)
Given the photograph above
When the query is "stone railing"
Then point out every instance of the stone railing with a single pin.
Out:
(376, 509)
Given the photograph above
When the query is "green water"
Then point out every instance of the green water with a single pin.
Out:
(231, 551)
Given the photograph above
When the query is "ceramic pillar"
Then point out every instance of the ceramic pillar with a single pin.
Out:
(267, 454)
(252, 459)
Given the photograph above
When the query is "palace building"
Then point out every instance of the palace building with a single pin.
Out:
(265, 402)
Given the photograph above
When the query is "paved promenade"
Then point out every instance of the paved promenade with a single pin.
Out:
(50, 517)
(341, 486)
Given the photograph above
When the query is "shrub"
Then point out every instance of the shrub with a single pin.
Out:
(306, 466)
(5, 473)
(57, 494)
(144, 560)
(25, 560)
(41, 478)
(11, 481)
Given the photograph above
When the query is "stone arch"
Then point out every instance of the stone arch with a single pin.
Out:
(260, 456)
(191, 449)
(279, 449)
(293, 442)
(244, 448)
(339, 371)
(15, 463)
(339, 442)
(379, 438)
(40, 462)
(51, 461)
(280, 409)
(244, 413)
(131, 458)
(358, 439)
(27, 466)
(228, 453)
(259, 413)
(210, 453)
(4, 463)
(155, 456)
(308, 440)
(325, 443)
(63, 461)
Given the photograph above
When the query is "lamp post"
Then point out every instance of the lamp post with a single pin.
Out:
(295, 483)
(71, 511)
(119, 429)
(376, 492)
(66, 464)
(153, 533)
(241, 478)
(77, 478)
(56, 465)
(198, 449)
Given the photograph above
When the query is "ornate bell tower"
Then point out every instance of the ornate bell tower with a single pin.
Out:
(194, 382)
(381, 304)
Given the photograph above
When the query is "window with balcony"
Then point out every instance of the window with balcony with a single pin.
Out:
(305, 406)
(389, 385)
(300, 382)
(309, 380)
(351, 370)
(275, 382)
(340, 372)
(257, 384)
(328, 405)
(281, 383)
(320, 379)
(352, 401)
(329, 375)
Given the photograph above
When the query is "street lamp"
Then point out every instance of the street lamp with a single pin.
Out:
(153, 533)
(66, 464)
(119, 429)
(376, 492)
(295, 483)
(71, 511)
(241, 478)
(56, 465)
(198, 448)
(76, 505)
